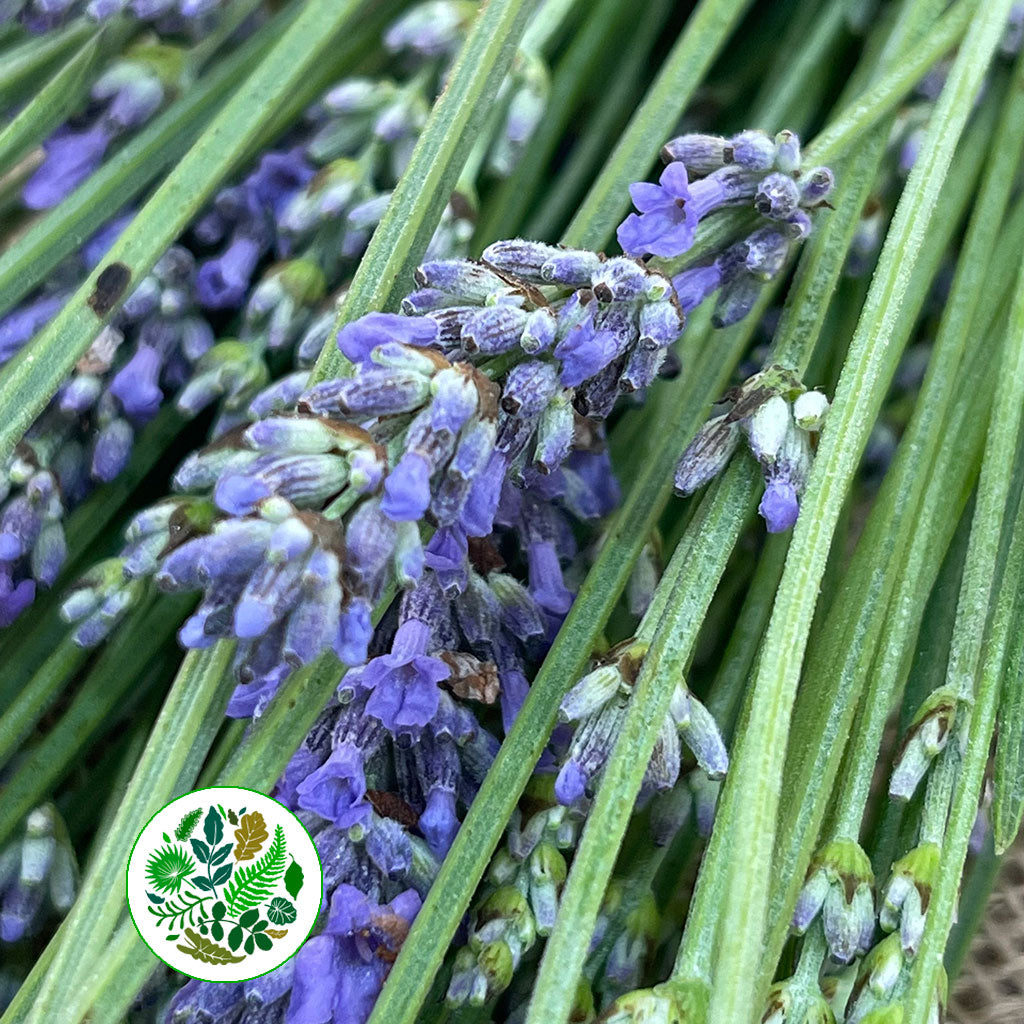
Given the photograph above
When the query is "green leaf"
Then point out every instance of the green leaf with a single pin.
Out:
(218, 910)
(213, 827)
(250, 944)
(29, 380)
(281, 911)
(188, 823)
(201, 882)
(221, 854)
(249, 918)
(235, 938)
(253, 884)
(167, 868)
(216, 931)
(263, 940)
(293, 879)
(221, 875)
(201, 850)
(153, 898)
(386, 269)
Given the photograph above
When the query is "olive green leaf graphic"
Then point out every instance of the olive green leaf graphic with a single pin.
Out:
(253, 884)
(167, 868)
(281, 911)
(277, 933)
(251, 836)
(208, 951)
(293, 879)
(213, 826)
(232, 817)
(188, 824)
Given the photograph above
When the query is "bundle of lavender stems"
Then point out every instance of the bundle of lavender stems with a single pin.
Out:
(569, 455)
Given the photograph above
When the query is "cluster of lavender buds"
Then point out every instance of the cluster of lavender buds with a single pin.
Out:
(464, 437)
(839, 888)
(38, 875)
(707, 173)
(274, 249)
(779, 421)
(597, 703)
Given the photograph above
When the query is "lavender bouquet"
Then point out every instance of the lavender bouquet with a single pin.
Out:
(617, 571)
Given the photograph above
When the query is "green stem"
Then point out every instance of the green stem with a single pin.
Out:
(115, 673)
(28, 62)
(385, 271)
(507, 205)
(898, 510)
(757, 769)
(169, 765)
(39, 693)
(66, 90)
(29, 380)
(691, 580)
(978, 674)
(706, 32)
(618, 98)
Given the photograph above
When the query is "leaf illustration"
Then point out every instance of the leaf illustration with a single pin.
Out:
(167, 868)
(201, 882)
(232, 817)
(250, 944)
(235, 937)
(277, 933)
(153, 898)
(253, 884)
(217, 931)
(293, 879)
(176, 911)
(222, 874)
(221, 854)
(213, 827)
(207, 950)
(262, 941)
(201, 850)
(251, 836)
(187, 824)
(281, 911)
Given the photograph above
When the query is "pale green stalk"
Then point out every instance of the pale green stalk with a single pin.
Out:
(757, 768)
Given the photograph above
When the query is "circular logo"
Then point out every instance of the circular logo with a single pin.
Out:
(224, 884)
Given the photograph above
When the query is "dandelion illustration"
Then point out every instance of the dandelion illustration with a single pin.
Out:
(168, 868)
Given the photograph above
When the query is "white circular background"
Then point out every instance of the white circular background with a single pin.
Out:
(298, 844)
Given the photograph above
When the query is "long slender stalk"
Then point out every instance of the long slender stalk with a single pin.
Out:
(385, 271)
(757, 769)
(180, 738)
(705, 34)
(898, 555)
(977, 656)
(690, 581)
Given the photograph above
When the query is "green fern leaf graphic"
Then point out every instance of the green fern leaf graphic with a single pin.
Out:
(188, 824)
(254, 883)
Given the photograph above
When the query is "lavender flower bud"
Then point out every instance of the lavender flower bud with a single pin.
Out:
(926, 738)
(707, 454)
(907, 894)
(839, 886)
